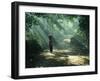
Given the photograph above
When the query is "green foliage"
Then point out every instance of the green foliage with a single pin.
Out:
(33, 50)
(39, 26)
(84, 30)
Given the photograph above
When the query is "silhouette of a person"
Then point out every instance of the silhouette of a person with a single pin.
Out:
(50, 43)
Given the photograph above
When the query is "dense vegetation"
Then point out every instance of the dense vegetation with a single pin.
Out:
(69, 32)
